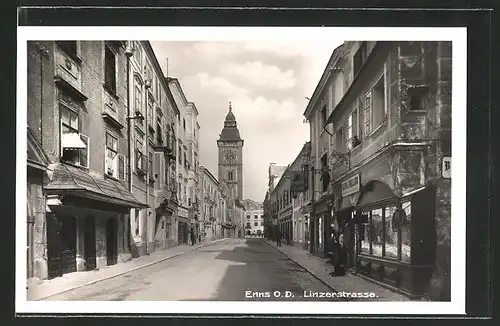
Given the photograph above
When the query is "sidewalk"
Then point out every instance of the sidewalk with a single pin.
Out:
(67, 282)
(320, 269)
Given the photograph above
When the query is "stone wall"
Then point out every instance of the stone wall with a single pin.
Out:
(36, 198)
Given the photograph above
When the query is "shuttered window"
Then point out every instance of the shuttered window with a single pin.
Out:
(110, 70)
(121, 167)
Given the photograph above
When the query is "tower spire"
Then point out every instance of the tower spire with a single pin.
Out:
(229, 106)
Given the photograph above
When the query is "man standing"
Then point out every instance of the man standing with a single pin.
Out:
(278, 238)
(193, 238)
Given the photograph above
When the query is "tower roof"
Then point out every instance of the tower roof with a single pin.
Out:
(230, 130)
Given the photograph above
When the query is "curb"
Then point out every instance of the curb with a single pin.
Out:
(304, 267)
(130, 270)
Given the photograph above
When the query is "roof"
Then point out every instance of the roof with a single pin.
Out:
(72, 180)
(209, 174)
(336, 55)
(36, 156)
(230, 131)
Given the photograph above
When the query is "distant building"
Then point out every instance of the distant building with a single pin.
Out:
(254, 218)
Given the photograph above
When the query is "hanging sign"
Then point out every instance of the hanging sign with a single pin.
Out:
(350, 186)
(446, 167)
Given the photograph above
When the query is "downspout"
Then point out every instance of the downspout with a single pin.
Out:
(129, 138)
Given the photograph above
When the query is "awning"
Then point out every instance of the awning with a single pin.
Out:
(72, 140)
(67, 179)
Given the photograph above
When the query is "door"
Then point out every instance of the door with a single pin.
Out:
(61, 244)
(89, 243)
(111, 241)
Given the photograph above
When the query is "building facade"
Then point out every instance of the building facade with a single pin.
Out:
(381, 120)
(254, 222)
(211, 205)
(152, 118)
(77, 117)
(187, 162)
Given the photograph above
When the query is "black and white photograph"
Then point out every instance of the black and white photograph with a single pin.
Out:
(243, 170)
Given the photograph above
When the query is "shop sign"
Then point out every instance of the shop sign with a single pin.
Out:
(298, 184)
(351, 186)
(446, 167)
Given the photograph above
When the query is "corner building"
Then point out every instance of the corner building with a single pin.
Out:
(77, 118)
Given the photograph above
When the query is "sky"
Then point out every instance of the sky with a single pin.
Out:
(267, 84)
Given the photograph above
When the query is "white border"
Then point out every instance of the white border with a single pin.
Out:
(284, 34)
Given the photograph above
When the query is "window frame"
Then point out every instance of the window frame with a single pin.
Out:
(73, 129)
(111, 89)
(107, 150)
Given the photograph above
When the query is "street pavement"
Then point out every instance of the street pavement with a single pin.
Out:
(230, 270)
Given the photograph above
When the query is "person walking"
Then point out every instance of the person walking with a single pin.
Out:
(278, 238)
(193, 238)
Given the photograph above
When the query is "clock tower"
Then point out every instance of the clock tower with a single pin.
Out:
(230, 147)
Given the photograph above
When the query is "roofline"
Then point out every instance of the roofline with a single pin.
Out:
(281, 178)
(323, 81)
(210, 175)
(178, 84)
(149, 49)
(194, 106)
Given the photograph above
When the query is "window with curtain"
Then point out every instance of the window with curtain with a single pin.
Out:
(406, 233)
(391, 234)
(377, 232)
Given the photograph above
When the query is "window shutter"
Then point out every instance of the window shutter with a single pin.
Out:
(84, 153)
(121, 167)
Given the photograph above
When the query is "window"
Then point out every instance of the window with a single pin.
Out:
(416, 95)
(406, 233)
(184, 123)
(325, 175)
(159, 133)
(150, 163)
(109, 69)
(139, 156)
(352, 130)
(360, 58)
(391, 234)
(339, 140)
(230, 175)
(374, 106)
(248, 225)
(248, 217)
(69, 47)
(180, 155)
(114, 163)
(365, 234)
(138, 53)
(137, 97)
(377, 232)
(150, 111)
(256, 217)
(323, 115)
(256, 224)
(74, 146)
(185, 161)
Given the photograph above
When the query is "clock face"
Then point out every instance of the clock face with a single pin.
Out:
(230, 155)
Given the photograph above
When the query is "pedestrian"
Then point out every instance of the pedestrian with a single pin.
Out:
(193, 238)
(278, 238)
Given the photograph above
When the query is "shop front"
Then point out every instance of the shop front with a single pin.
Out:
(183, 226)
(86, 221)
(396, 237)
(321, 226)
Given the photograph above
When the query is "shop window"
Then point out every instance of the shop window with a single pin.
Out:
(365, 234)
(110, 70)
(377, 233)
(391, 234)
(74, 146)
(406, 232)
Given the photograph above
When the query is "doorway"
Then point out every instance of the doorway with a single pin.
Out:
(89, 243)
(61, 244)
(111, 241)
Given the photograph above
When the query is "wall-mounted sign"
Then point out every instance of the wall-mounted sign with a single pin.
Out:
(351, 185)
(446, 167)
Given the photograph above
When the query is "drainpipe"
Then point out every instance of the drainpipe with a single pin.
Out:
(129, 51)
(147, 86)
(312, 238)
